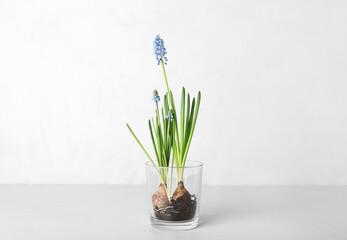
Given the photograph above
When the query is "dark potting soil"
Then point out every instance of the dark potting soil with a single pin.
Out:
(180, 209)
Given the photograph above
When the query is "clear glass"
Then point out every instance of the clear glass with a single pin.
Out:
(176, 204)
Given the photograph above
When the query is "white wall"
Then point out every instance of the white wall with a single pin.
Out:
(272, 75)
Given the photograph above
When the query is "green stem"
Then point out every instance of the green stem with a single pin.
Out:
(158, 113)
(171, 102)
(166, 83)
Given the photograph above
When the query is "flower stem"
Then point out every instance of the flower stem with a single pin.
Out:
(166, 83)
(158, 116)
(171, 104)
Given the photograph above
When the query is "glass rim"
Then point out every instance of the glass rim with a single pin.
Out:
(196, 164)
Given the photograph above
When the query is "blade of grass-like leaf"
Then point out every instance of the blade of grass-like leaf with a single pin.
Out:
(159, 144)
(192, 128)
(172, 163)
(175, 142)
(189, 124)
(174, 152)
(155, 128)
(150, 159)
(171, 134)
(187, 115)
(175, 123)
(173, 103)
(183, 104)
(170, 138)
(166, 104)
(137, 140)
(153, 125)
(164, 159)
(166, 112)
(153, 141)
(164, 127)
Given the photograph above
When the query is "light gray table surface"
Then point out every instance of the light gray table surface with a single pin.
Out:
(120, 212)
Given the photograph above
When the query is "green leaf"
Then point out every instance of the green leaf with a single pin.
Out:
(137, 140)
(164, 127)
(154, 146)
(159, 143)
(189, 124)
(183, 104)
(173, 103)
(187, 115)
(175, 123)
(193, 127)
(166, 104)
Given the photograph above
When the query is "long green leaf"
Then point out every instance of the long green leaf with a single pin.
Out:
(159, 144)
(175, 124)
(189, 124)
(150, 159)
(192, 128)
(183, 104)
(154, 145)
(164, 127)
(166, 104)
(137, 140)
(187, 115)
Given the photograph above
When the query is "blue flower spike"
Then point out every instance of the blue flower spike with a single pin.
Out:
(156, 97)
(159, 49)
(169, 115)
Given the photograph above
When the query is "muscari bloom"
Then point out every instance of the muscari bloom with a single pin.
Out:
(169, 115)
(156, 97)
(159, 49)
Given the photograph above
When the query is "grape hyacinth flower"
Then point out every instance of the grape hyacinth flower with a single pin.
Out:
(169, 115)
(156, 97)
(159, 49)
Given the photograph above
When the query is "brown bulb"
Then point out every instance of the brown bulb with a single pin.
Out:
(159, 198)
(181, 192)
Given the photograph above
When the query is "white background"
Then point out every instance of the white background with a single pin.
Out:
(272, 76)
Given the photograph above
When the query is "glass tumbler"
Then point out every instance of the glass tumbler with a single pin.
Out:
(174, 195)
